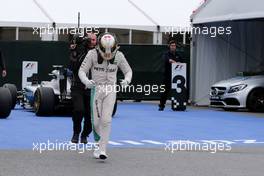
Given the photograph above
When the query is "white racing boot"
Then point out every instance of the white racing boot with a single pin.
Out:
(96, 153)
(103, 155)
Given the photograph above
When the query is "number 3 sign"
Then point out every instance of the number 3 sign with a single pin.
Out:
(178, 87)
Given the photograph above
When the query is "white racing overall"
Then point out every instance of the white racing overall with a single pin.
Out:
(103, 96)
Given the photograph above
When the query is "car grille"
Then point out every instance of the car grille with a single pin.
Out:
(217, 104)
(232, 102)
(216, 91)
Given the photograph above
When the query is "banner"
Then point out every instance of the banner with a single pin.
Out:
(178, 87)
(28, 68)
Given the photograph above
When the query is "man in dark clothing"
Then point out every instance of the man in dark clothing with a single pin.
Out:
(2, 65)
(80, 95)
(169, 57)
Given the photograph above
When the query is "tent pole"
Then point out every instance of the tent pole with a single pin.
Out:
(17, 33)
(184, 38)
(130, 36)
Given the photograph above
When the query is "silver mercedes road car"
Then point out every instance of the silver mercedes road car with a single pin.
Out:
(239, 92)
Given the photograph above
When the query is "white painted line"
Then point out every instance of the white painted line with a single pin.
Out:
(132, 142)
(250, 141)
(224, 141)
(114, 143)
(153, 142)
(241, 140)
(208, 141)
(182, 142)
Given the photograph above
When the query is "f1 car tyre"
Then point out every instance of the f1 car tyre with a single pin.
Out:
(5, 102)
(255, 101)
(44, 101)
(13, 90)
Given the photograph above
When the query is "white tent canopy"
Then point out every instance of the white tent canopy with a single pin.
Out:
(21, 13)
(104, 13)
(225, 10)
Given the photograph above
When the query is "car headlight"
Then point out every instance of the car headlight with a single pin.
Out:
(237, 88)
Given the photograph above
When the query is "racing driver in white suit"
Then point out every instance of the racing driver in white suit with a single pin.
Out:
(103, 61)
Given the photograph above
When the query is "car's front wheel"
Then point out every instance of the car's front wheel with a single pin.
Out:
(255, 101)
(13, 90)
(44, 101)
(5, 102)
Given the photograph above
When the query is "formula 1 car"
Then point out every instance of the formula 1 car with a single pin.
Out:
(49, 96)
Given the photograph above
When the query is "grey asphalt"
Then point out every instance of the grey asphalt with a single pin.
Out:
(240, 161)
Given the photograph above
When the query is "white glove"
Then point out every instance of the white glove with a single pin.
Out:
(89, 84)
(124, 83)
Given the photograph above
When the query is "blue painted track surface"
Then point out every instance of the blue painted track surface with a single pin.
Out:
(138, 125)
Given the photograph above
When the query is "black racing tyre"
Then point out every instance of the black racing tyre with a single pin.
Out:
(13, 90)
(5, 102)
(255, 100)
(114, 110)
(44, 101)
